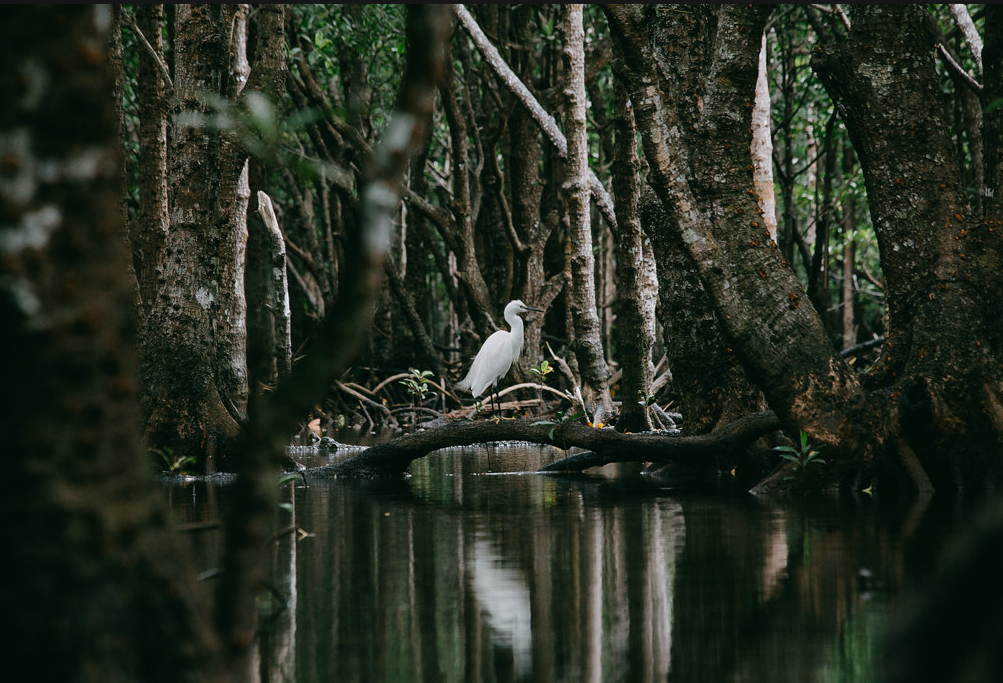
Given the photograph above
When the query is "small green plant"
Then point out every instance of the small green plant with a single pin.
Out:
(542, 370)
(559, 419)
(175, 464)
(417, 384)
(801, 457)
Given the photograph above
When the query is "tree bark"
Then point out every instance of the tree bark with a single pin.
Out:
(698, 151)
(992, 122)
(274, 256)
(605, 446)
(708, 380)
(193, 342)
(941, 261)
(97, 583)
(148, 231)
(635, 328)
(587, 344)
(762, 147)
(267, 360)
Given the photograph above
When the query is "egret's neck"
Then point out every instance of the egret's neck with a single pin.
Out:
(515, 322)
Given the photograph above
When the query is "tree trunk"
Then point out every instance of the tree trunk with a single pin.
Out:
(708, 379)
(938, 383)
(148, 231)
(279, 330)
(941, 262)
(762, 147)
(266, 328)
(698, 150)
(194, 336)
(582, 299)
(635, 330)
(98, 585)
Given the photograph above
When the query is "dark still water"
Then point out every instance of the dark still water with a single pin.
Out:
(474, 569)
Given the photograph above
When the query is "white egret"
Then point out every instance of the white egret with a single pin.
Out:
(497, 354)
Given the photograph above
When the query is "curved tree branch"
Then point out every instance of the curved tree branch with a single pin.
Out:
(393, 457)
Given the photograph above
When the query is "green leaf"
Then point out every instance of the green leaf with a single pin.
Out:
(993, 106)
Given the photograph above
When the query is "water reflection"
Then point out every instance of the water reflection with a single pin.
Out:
(475, 569)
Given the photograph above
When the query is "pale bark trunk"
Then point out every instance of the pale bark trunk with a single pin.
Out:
(582, 302)
(278, 303)
(231, 203)
(762, 147)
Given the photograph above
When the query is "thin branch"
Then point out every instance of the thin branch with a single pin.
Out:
(842, 17)
(362, 399)
(969, 81)
(563, 366)
(436, 214)
(158, 59)
(543, 118)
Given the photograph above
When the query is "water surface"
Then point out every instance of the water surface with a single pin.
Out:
(476, 569)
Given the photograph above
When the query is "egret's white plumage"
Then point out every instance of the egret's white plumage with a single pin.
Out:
(498, 353)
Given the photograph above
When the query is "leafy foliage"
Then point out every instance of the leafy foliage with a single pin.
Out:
(176, 464)
(542, 370)
(417, 386)
(801, 456)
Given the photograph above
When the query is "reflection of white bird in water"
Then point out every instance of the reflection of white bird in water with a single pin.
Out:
(502, 593)
(495, 358)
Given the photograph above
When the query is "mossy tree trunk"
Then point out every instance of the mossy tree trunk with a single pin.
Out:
(942, 260)
(939, 382)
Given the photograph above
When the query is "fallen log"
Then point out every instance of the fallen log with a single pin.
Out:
(604, 445)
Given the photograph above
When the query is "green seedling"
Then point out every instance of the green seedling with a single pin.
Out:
(542, 370)
(801, 457)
